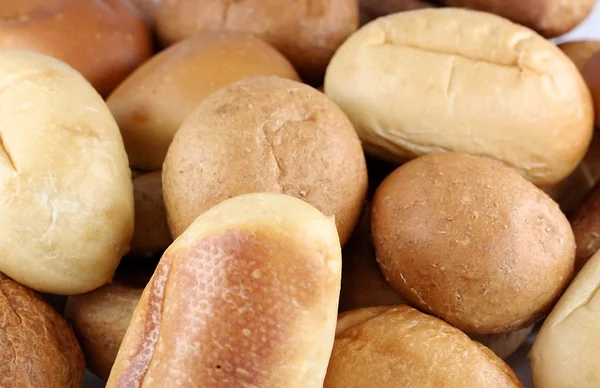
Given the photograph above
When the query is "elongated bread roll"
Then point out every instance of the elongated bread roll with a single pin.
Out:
(247, 296)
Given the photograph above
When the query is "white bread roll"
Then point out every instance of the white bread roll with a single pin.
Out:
(66, 197)
(247, 296)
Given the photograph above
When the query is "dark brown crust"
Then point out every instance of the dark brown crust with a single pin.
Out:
(37, 347)
(372, 9)
(591, 73)
(586, 227)
(580, 51)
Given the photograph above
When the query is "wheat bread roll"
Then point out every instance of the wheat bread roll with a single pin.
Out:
(586, 228)
(246, 296)
(153, 102)
(591, 73)
(580, 51)
(450, 79)
(104, 40)
(37, 347)
(396, 346)
(565, 351)
(551, 18)
(469, 240)
(307, 33)
(66, 197)
(265, 134)
(372, 9)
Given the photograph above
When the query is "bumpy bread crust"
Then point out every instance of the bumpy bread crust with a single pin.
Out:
(580, 51)
(469, 240)
(450, 79)
(265, 134)
(397, 346)
(103, 40)
(37, 347)
(247, 296)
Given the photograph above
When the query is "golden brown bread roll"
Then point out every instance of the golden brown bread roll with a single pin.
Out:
(66, 197)
(580, 51)
(565, 351)
(307, 32)
(104, 40)
(448, 79)
(469, 240)
(100, 318)
(246, 296)
(151, 231)
(153, 102)
(591, 73)
(586, 227)
(37, 347)
(401, 347)
(372, 9)
(551, 18)
(265, 134)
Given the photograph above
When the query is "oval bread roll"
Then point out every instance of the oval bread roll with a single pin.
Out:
(580, 51)
(37, 347)
(438, 80)
(551, 18)
(397, 347)
(265, 134)
(66, 197)
(469, 240)
(565, 351)
(591, 72)
(307, 33)
(153, 102)
(103, 40)
(247, 296)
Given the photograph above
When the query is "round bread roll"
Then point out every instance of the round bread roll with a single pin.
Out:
(551, 18)
(265, 134)
(37, 347)
(147, 10)
(586, 227)
(100, 318)
(591, 72)
(469, 240)
(307, 33)
(580, 51)
(103, 40)
(565, 351)
(372, 9)
(151, 233)
(438, 80)
(247, 296)
(66, 197)
(398, 346)
(153, 102)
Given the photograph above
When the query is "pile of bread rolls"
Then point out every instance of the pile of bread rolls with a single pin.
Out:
(273, 193)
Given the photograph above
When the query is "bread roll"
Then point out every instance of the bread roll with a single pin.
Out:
(37, 347)
(372, 9)
(247, 296)
(103, 40)
(580, 51)
(151, 232)
(586, 227)
(551, 18)
(438, 80)
(401, 347)
(565, 351)
(147, 10)
(265, 134)
(307, 33)
(66, 198)
(363, 285)
(469, 240)
(153, 102)
(100, 318)
(591, 72)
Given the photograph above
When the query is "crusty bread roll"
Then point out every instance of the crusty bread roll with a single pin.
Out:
(100, 318)
(580, 51)
(565, 351)
(586, 227)
(103, 40)
(153, 102)
(307, 33)
(372, 9)
(469, 240)
(591, 72)
(146, 9)
(448, 79)
(66, 197)
(247, 296)
(551, 18)
(398, 347)
(265, 134)
(37, 347)
(151, 233)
